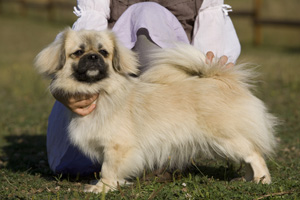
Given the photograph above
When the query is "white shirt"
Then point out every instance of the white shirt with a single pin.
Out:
(213, 28)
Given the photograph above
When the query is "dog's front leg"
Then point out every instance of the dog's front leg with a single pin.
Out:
(120, 162)
(103, 185)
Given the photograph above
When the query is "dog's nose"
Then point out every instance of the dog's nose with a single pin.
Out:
(93, 57)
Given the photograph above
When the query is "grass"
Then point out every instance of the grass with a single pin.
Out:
(26, 104)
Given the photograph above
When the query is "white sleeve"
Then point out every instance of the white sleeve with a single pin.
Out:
(214, 31)
(92, 14)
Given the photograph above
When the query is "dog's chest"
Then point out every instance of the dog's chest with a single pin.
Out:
(92, 131)
(85, 132)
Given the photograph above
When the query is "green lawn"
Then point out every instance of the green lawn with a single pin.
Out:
(26, 104)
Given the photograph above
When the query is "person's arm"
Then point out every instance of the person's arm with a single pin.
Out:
(214, 31)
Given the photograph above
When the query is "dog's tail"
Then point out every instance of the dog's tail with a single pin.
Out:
(184, 61)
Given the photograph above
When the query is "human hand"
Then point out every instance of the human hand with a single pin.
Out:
(79, 104)
(222, 61)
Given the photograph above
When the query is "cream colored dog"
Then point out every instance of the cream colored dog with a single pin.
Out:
(177, 110)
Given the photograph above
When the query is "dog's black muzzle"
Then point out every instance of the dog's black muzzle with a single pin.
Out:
(91, 68)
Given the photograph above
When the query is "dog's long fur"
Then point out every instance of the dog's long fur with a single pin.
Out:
(180, 108)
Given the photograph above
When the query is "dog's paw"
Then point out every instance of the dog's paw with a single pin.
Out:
(98, 188)
(264, 179)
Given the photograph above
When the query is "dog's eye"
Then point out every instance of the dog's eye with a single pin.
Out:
(103, 52)
(78, 53)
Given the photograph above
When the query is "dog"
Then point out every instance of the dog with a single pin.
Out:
(177, 110)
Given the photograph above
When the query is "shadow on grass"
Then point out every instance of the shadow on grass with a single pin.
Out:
(26, 153)
(216, 170)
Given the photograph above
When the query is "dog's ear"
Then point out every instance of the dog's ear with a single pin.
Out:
(53, 57)
(124, 60)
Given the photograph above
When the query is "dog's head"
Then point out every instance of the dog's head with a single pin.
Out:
(77, 59)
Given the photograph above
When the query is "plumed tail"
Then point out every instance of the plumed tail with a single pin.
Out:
(184, 61)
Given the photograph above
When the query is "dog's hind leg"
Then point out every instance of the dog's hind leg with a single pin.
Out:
(256, 169)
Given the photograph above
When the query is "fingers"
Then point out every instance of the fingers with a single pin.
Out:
(222, 61)
(229, 65)
(85, 111)
(82, 100)
(209, 57)
(82, 104)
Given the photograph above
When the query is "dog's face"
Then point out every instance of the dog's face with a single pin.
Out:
(82, 61)
(89, 55)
